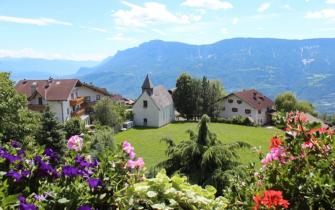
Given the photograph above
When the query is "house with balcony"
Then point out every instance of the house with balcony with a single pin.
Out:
(248, 103)
(66, 97)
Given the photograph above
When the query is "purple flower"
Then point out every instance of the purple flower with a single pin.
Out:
(40, 197)
(21, 152)
(15, 144)
(16, 175)
(51, 154)
(84, 208)
(11, 158)
(94, 183)
(45, 169)
(24, 205)
(70, 171)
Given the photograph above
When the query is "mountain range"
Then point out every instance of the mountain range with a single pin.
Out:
(272, 66)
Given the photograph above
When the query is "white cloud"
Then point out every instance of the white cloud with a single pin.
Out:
(158, 31)
(151, 12)
(330, 1)
(31, 53)
(321, 14)
(224, 31)
(263, 7)
(119, 37)
(97, 29)
(208, 4)
(33, 21)
(235, 21)
(287, 7)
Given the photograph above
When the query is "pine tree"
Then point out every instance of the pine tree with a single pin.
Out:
(51, 132)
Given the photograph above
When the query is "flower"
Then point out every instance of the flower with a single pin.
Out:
(75, 143)
(24, 205)
(15, 144)
(129, 149)
(70, 171)
(45, 169)
(94, 183)
(270, 199)
(84, 208)
(275, 142)
(307, 144)
(51, 154)
(277, 153)
(18, 176)
(139, 163)
(40, 197)
(11, 158)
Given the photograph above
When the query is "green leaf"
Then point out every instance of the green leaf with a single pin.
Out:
(63, 200)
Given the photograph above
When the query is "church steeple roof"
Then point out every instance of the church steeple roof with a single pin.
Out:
(147, 84)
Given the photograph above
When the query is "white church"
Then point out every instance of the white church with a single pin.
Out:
(154, 107)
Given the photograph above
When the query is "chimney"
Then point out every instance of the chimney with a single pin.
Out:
(50, 80)
(33, 87)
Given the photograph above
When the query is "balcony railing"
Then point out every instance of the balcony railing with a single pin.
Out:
(78, 113)
(77, 101)
(36, 107)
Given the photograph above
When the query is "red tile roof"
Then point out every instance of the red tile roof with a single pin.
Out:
(254, 98)
(52, 90)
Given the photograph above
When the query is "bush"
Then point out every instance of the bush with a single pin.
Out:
(74, 126)
(237, 120)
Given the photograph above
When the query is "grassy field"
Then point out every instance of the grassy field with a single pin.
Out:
(148, 145)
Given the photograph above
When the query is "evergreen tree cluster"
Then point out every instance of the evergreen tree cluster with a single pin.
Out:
(195, 97)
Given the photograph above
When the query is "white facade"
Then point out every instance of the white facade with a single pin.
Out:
(234, 106)
(151, 115)
(89, 94)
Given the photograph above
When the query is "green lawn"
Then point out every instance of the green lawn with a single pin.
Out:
(148, 145)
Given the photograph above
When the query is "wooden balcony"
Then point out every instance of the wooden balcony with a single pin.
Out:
(78, 113)
(77, 101)
(36, 107)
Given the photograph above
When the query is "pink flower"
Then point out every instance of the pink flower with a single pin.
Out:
(75, 143)
(277, 153)
(129, 149)
(139, 163)
(307, 144)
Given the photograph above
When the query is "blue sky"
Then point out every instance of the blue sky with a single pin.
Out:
(93, 30)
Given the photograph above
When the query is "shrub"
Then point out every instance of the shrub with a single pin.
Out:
(74, 126)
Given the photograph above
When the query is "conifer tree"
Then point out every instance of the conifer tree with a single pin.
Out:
(51, 132)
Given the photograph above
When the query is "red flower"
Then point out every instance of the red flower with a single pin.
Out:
(275, 142)
(270, 198)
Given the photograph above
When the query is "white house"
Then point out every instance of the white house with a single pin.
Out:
(248, 103)
(66, 97)
(154, 107)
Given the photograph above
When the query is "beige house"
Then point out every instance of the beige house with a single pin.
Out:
(154, 107)
(248, 103)
(66, 97)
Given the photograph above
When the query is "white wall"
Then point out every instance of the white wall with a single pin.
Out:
(151, 112)
(84, 91)
(259, 118)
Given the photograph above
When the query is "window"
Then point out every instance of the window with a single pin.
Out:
(40, 101)
(145, 104)
(98, 97)
(72, 96)
(87, 98)
(234, 109)
(247, 111)
(239, 101)
(230, 101)
(259, 111)
(145, 121)
(77, 95)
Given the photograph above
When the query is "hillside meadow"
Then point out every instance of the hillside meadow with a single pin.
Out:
(148, 144)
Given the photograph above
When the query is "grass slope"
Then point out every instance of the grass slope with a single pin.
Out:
(148, 145)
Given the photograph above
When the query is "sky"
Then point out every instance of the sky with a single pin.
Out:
(96, 29)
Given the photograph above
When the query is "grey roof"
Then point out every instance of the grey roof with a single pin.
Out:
(313, 119)
(161, 97)
(147, 84)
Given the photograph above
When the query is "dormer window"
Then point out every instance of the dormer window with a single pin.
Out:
(145, 104)
(239, 101)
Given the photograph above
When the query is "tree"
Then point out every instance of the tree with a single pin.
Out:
(74, 126)
(286, 102)
(203, 158)
(108, 112)
(216, 94)
(51, 132)
(101, 141)
(184, 96)
(16, 121)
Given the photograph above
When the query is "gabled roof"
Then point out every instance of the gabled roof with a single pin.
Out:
(52, 90)
(254, 98)
(161, 97)
(147, 84)
(100, 90)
